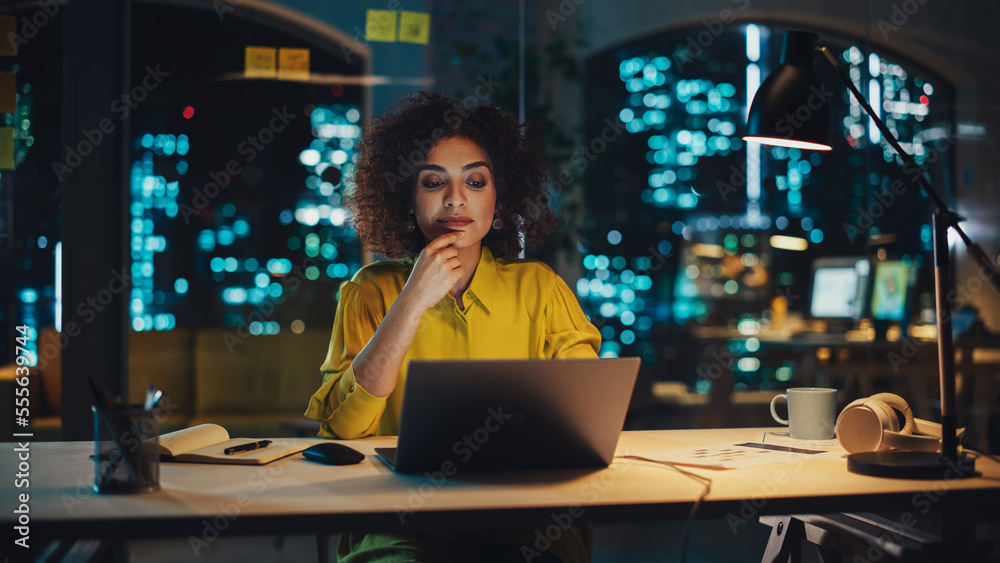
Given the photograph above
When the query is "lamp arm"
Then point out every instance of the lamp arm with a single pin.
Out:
(943, 220)
(908, 160)
(974, 250)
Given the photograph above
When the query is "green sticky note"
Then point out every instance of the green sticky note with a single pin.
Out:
(8, 36)
(414, 27)
(380, 25)
(8, 92)
(6, 148)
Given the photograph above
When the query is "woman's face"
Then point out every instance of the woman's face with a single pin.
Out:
(454, 191)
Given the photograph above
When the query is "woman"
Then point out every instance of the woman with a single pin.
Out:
(452, 186)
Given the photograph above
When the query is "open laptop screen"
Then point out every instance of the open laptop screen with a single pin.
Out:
(463, 415)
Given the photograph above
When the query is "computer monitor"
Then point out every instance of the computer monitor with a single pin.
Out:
(889, 290)
(839, 288)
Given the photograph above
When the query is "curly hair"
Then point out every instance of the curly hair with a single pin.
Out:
(394, 145)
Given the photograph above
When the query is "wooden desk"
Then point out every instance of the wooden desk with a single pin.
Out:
(296, 496)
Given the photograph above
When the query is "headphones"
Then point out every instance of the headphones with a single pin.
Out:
(873, 425)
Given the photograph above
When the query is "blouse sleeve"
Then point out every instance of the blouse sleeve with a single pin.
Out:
(569, 333)
(343, 408)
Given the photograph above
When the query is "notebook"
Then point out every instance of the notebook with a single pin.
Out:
(469, 415)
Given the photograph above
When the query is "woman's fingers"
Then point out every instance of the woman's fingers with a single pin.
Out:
(436, 269)
(441, 249)
(444, 240)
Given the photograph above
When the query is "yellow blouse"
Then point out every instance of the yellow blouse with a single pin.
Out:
(513, 309)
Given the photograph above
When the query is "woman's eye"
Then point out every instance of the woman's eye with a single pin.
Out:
(432, 183)
(476, 183)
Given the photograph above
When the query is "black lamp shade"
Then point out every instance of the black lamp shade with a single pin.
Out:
(792, 108)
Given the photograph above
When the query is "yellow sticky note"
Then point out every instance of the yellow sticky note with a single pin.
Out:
(6, 148)
(293, 64)
(380, 25)
(260, 62)
(8, 92)
(414, 27)
(8, 36)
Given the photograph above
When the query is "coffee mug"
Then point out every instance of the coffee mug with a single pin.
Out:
(812, 412)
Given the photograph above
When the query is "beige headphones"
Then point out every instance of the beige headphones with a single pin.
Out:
(872, 425)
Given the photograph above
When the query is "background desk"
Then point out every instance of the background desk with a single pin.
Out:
(296, 496)
(849, 362)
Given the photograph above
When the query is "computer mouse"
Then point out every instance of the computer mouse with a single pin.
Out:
(332, 453)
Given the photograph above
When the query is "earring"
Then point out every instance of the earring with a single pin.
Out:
(410, 226)
(497, 223)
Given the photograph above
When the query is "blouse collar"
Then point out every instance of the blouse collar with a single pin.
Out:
(482, 288)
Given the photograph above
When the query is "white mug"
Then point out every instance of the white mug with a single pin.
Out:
(812, 412)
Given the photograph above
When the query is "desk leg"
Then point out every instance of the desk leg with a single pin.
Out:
(785, 543)
(85, 551)
(870, 537)
(323, 547)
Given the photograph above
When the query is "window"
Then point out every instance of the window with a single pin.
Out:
(707, 231)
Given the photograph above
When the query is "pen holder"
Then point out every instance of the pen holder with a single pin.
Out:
(126, 450)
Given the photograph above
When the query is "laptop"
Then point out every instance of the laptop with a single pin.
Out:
(474, 415)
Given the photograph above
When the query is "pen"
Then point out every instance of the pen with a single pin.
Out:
(156, 399)
(148, 403)
(247, 447)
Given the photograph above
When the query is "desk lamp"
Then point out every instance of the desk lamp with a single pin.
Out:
(790, 109)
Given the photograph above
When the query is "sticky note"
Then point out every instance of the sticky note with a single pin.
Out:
(6, 148)
(260, 62)
(8, 36)
(8, 92)
(414, 27)
(380, 25)
(293, 64)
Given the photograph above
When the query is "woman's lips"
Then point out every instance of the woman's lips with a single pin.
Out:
(455, 222)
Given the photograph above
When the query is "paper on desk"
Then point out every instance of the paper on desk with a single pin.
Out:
(782, 438)
(740, 454)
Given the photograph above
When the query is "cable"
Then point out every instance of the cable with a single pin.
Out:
(704, 481)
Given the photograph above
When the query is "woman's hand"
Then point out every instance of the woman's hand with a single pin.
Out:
(436, 270)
